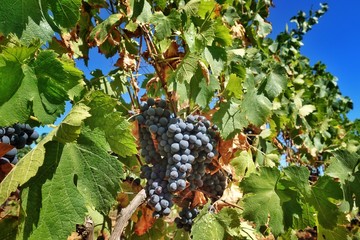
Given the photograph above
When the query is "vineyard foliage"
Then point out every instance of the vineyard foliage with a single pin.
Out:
(290, 154)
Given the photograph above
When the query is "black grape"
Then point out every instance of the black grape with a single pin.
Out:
(186, 218)
(18, 135)
(214, 184)
(176, 153)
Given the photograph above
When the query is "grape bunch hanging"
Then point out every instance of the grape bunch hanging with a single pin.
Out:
(18, 135)
(177, 153)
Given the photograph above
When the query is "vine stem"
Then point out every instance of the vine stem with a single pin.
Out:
(154, 53)
(126, 213)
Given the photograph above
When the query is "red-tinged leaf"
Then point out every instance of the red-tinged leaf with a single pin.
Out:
(227, 148)
(199, 199)
(5, 168)
(145, 222)
(4, 148)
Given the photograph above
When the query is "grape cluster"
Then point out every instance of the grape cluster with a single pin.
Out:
(176, 152)
(214, 184)
(18, 136)
(186, 217)
(153, 121)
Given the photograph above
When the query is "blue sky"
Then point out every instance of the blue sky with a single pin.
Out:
(334, 41)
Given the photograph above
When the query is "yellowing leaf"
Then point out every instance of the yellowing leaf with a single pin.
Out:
(306, 110)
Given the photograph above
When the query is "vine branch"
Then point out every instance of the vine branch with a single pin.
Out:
(126, 213)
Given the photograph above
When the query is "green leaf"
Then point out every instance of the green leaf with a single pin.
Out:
(339, 232)
(101, 32)
(222, 34)
(164, 24)
(234, 86)
(190, 37)
(81, 174)
(243, 164)
(261, 200)
(216, 57)
(205, 35)
(28, 19)
(307, 218)
(186, 70)
(306, 110)
(229, 119)
(27, 168)
(322, 192)
(191, 7)
(276, 82)
(256, 107)
(9, 227)
(66, 12)
(118, 134)
(318, 195)
(69, 129)
(206, 227)
(141, 10)
(263, 28)
(299, 176)
(201, 91)
(205, 7)
(117, 129)
(343, 165)
(230, 221)
(38, 87)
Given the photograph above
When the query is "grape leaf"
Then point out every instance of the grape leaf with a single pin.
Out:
(222, 34)
(343, 165)
(141, 10)
(51, 198)
(276, 82)
(186, 69)
(206, 227)
(318, 195)
(243, 164)
(117, 129)
(234, 86)
(230, 221)
(69, 129)
(65, 12)
(339, 232)
(205, 7)
(306, 110)
(299, 177)
(27, 20)
(81, 174)
(229, 119)
(263, 28)
(31, 19)
(328, 211)
(164, 24)
(39, 87)
(30, 163)
(200, 91)
(261, 200)
(256, 107)
(8, 228)
(101, 32)
(216, 57)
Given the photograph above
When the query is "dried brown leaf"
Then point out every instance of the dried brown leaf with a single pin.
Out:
(205, 72)
(126, 61)
(145, 222)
